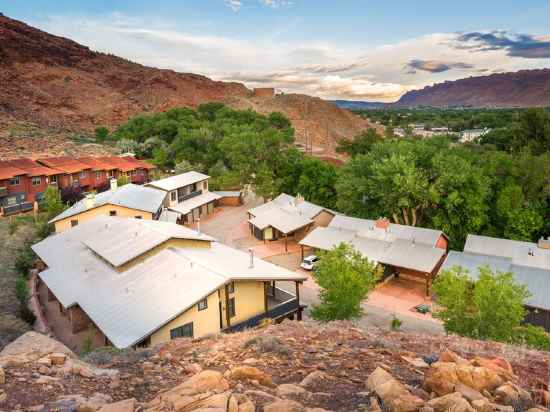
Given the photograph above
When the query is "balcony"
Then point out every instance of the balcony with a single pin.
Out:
(191, 195)
(280, 305)
(3, 191)
(18, 208)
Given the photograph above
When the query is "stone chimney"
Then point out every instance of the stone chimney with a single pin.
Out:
(544, 243)
(89, 201)
(114, 184)
(383, 223)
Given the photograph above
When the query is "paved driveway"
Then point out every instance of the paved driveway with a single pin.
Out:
(229, 225)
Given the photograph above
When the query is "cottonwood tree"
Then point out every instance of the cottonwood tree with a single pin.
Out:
(491, 307)
(345, 278)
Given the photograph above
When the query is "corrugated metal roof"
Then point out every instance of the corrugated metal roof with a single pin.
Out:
(536, 280)
(169, 216)
(521, 253)
(128, 306)
(131, 196)
(367, 228)
(175, 182)
(188, 205)
(411, 255)
(291, 205)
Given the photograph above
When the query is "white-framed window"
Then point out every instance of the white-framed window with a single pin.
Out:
(36, 180)
(111, 173)
(53, 179)
(83, 174)
(14, 181)
(98, 175)
(203, 304)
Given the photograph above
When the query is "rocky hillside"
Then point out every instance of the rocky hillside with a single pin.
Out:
(526, 88)
(292, 367)
(57, 83)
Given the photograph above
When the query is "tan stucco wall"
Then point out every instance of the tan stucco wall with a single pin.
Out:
(205, 322)
(249, 302)
(65, 224)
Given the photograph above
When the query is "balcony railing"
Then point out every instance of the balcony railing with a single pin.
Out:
(18, 208)
(277, 312)
(189, 196)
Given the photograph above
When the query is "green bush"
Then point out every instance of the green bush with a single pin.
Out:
(533, 336)
(25, 260)
(345, 278)
(396, 323)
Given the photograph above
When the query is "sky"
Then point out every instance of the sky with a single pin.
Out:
(335, 49)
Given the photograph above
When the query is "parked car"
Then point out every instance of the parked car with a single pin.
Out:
(309, 262)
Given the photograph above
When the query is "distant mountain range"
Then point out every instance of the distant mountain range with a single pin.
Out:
(526, 88)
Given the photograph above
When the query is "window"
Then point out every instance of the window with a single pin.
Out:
(36, 180)
(185, 331)
(53, 179)
(83, 174)
(231, 287)
(74, 223)
(111, 173)
(112, 213)
(138, 217)
(98, 175)
(231, 307)
(14, 181)
(203, 304)
(173, 196)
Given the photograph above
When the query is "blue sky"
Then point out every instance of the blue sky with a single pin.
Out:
(353, 49)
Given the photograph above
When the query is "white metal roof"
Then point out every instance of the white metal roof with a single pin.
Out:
(280, 219)
(536, 280)
(131, 196)
(521, 253)
(128, 306)
(197, 201)
(367, 228)
(177, 181)
(411, 255)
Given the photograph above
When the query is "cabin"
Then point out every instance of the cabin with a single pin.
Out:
(154, 281)
(408, 252)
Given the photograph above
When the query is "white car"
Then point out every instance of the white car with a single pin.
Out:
(309, 262)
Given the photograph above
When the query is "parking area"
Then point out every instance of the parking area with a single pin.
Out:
(397, 297)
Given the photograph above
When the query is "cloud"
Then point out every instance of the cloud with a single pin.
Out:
(330, 70)
(516, 45)
(236, 5)
(435, 66)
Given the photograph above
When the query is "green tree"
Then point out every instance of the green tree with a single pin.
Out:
(52, 202)
(360, 144)
(345, 278)
(101, 134)
(491, 307)
(317, 182)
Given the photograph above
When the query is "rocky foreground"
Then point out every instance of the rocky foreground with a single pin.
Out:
(288, 367)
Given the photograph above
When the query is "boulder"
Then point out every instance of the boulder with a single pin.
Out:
(287, 390)
(201, 382)
(261, 397)
(416, 362)
(127, 405)
(442, 377)
(251, 373)
(468, 393)
(395, 396)
(314, 379)
(483, 405)
(284, 406)
(30, 347)
(509, 394)
(452, 402)
(57, 358)
(499, 365)
(452, 357)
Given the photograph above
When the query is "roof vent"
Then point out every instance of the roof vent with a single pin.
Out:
(114, 184)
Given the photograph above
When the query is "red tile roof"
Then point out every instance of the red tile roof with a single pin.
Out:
(96, 163)
(65, 164)
(28, 167)
(7, 172)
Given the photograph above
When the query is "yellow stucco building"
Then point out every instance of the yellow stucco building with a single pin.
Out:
(144, 282)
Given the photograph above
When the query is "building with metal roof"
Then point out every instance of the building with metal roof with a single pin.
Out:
(187, 195)
(140, 282)
(406, 250)
(129, 200)
(287, 216)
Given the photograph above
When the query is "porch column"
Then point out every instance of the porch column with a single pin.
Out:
(302, 251)
(227, 316)
(298, 300)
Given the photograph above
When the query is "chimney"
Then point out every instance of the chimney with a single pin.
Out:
(383, 223)
(89, 201)
(114, 184)
(251, 252)
(298, 199)
(544, 243)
